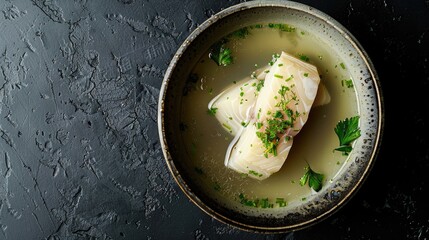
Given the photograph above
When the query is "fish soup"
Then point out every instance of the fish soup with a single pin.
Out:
(206, 140)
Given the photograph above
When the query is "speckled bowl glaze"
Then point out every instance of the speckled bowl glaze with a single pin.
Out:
(353, 173)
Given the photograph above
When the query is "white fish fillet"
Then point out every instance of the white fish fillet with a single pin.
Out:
(247, 152)
(232, 110)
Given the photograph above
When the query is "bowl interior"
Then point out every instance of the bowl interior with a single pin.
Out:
(354, 170)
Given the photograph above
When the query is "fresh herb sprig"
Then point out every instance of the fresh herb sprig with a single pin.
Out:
(347, 131)
(220, 54)
(212, 111)
(314, 179)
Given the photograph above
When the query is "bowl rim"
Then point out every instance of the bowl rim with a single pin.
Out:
(184, 46)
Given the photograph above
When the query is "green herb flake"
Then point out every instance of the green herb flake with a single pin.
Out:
(241, 94)
(305, 74)
(289, 78)
(266, 71)
(282, 27)
(281, 202)
(260, 85)
(343, 66)
(212, 111)
(278, 76)
(210, 91)
(258, 125)
(247, 202)
(304, 57)
(349, 83)
(313, 178)
(347, 131)
(280, 64)
(220, 54)
(254, 173)
(229, 128)
(264, 203)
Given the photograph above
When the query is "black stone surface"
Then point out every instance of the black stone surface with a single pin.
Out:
(79, 150)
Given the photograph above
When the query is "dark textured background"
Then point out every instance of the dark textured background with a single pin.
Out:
(79, 150)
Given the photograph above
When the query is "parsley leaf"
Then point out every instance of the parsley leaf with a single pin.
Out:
(212, 111)
(347, 131)
(220, 54)
(304, 57)
(313, 178)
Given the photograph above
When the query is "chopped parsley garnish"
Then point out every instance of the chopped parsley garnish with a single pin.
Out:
(274, 59)
(278, 76)
(264, 203)
(258, 125)
(349, 83)
(254, 173)
(278, 123)
(305, 74)
(244, 124)
(280, 64)
(229, 128)
(212, 111)
(282, 27)
(289, 78)
(304, 57)
(258, 203)
(241, 94)
(347, 131)
(313, 178)
(260, 85)
(220, 54)
(343, 66)
(281, 202)
(247, 202)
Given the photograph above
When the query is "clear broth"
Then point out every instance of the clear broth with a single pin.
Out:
(206, 140)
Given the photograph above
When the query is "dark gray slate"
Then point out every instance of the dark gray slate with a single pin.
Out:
(79, 150)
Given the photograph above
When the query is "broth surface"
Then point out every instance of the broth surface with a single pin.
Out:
(206, 140)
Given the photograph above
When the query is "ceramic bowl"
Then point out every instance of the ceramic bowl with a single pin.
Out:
(353, 173)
